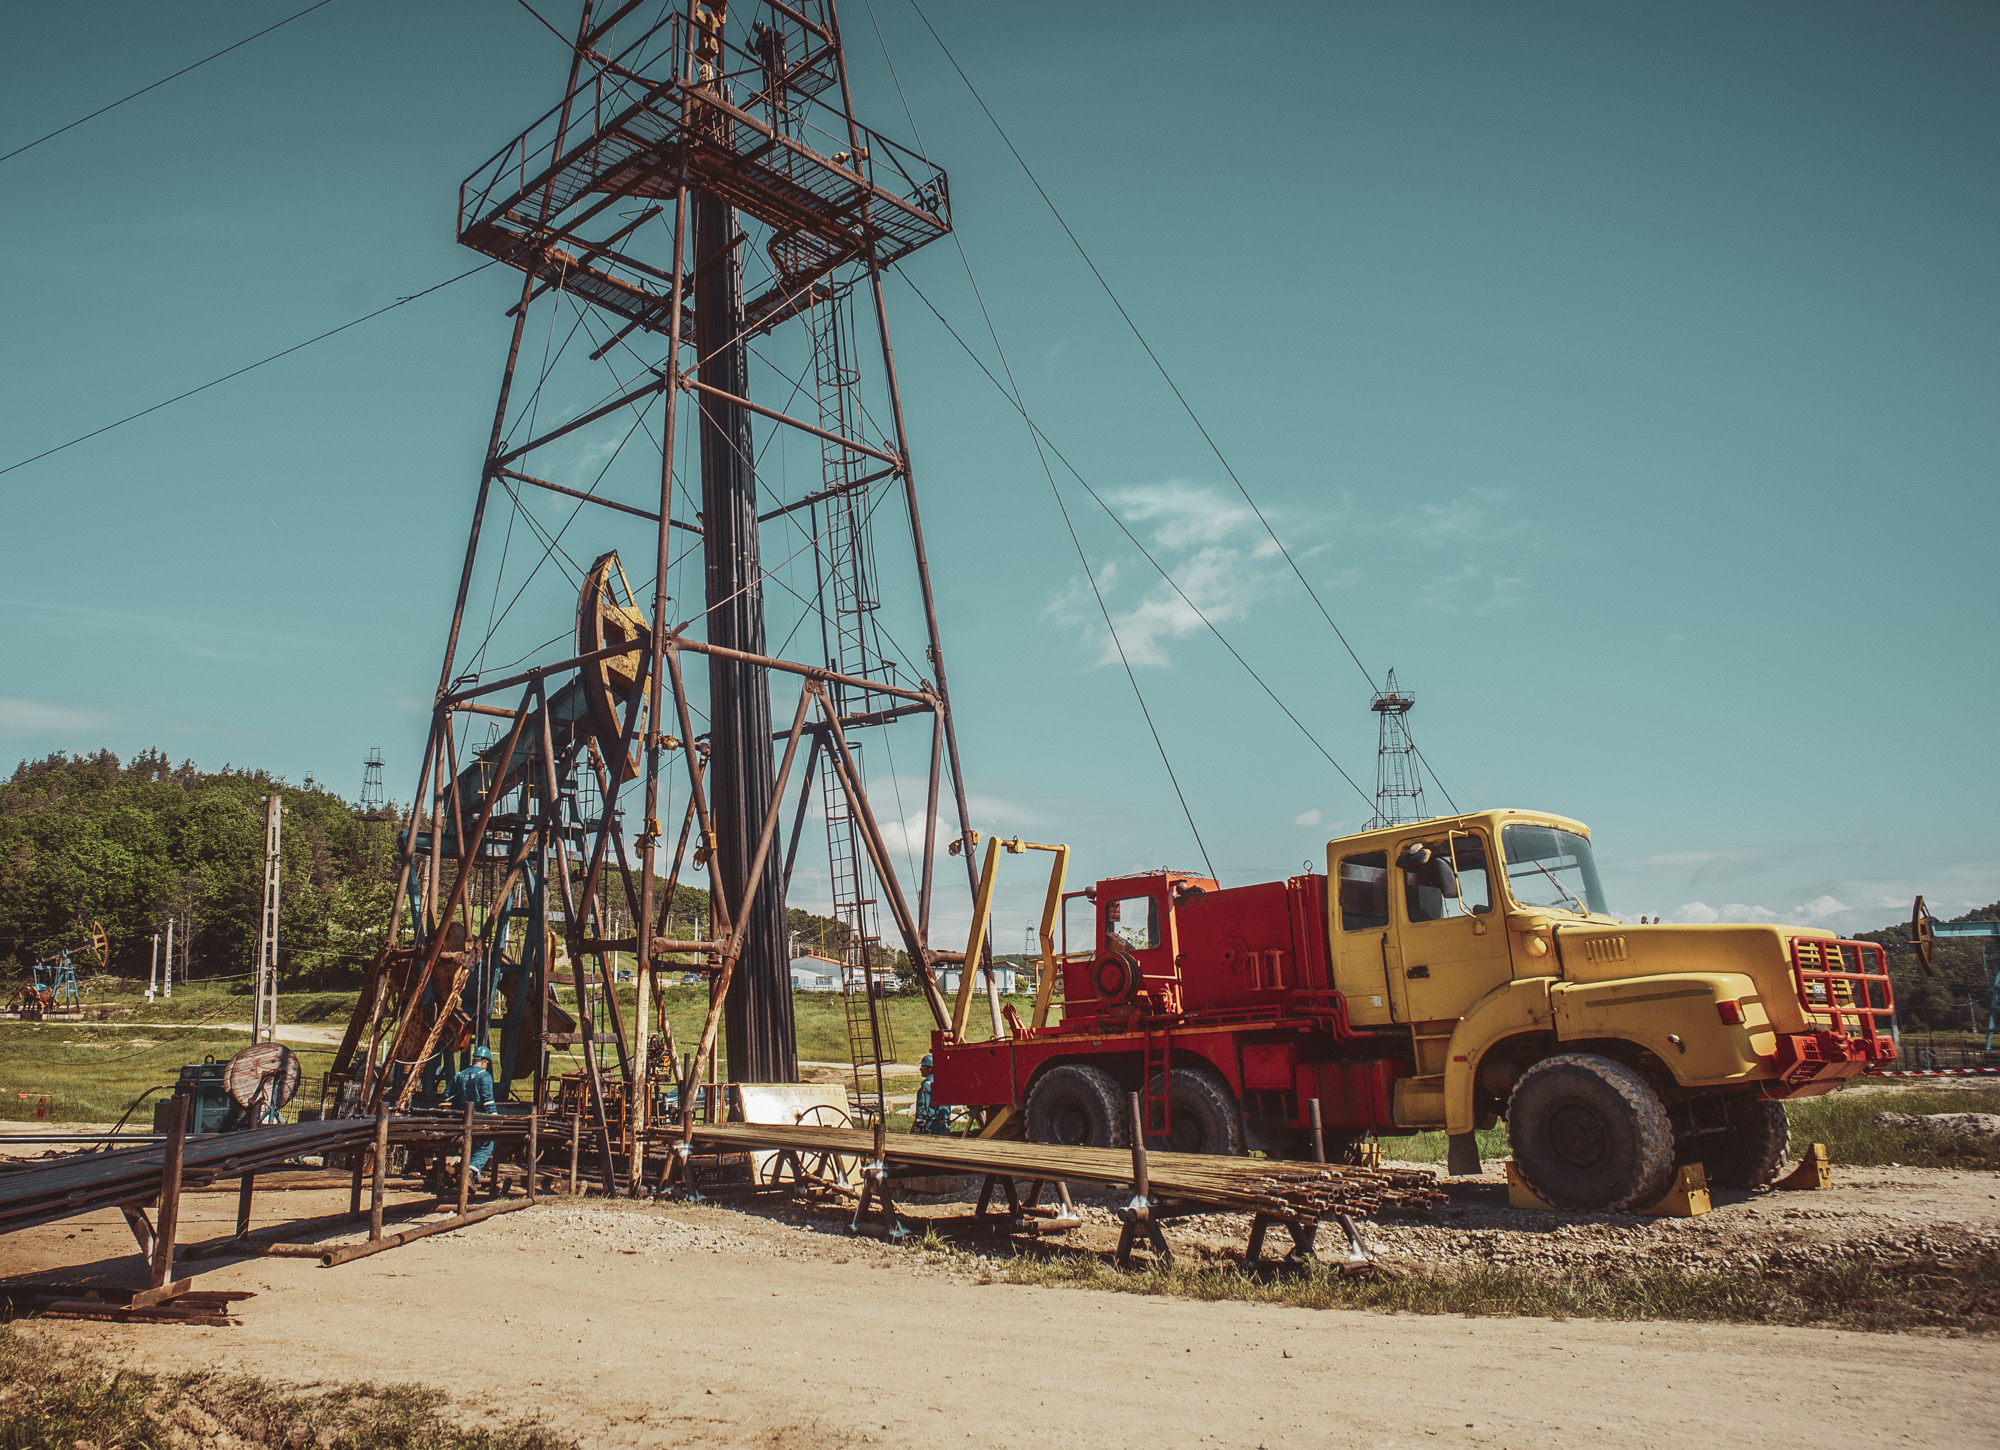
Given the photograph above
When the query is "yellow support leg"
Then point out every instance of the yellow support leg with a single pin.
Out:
(1686, 1198)
(1813, 1170)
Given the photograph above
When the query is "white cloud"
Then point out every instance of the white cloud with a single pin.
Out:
(1310, 818)
(1220, 558)
(19, 716)
(1467, 520)
(1696, 911)
(1184, 515)
(1822, 906)
(1472, 586)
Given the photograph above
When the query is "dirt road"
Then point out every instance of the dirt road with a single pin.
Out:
(701, 1325)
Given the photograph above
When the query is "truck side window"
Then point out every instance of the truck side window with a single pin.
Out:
(1133, 922)
(1428, 893)
(1364, 892)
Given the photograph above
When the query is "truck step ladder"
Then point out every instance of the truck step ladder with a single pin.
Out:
(1159, 1065)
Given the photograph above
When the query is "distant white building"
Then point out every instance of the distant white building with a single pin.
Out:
(813, 973)
(947, 978)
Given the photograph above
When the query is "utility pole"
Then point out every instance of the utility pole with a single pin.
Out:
(153, 971)
(170, 959)
(265, 1026)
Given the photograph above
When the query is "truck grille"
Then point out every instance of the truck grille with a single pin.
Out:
(1845, 986)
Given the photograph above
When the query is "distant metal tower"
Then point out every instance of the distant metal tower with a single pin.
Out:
(1399, 783)
(372, 796)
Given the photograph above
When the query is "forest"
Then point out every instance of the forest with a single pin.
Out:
(87, 838)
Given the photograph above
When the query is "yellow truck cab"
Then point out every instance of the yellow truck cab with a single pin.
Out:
(1613, 1051)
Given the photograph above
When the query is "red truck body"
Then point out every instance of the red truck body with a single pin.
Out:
(1235, 980)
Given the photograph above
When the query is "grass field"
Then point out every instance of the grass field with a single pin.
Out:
(120, 1000)
(1842, 1121)
(91, 1074)
(1845, 1294)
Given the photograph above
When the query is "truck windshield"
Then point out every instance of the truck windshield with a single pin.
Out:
(1548, 866)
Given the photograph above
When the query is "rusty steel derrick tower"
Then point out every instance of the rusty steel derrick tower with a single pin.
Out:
(1399, 783)
(701, 199)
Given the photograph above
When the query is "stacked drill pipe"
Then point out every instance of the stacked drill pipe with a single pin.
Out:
(1289, 1191)
(130, 1177)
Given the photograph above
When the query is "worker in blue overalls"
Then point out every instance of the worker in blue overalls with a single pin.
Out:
(928, 1118)
(474, 1084)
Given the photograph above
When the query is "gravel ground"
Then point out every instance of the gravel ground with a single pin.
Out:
(1889, 1216)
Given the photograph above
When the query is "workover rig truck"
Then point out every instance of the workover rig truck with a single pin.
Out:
(1446, 973)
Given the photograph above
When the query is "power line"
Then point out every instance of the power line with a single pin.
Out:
(1012, 389)
(162, 81)
(1180, 397)
(1112, 514)
(251, 367)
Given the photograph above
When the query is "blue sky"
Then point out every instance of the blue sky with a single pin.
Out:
(1623, 376)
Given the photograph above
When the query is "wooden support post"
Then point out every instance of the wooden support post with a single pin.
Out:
(534, 1147)
(575, 1141)
(1140, 1219)
(465, 1161)
(170, 1192)
(379, 1177)
(244, 1190)
(1141, 1184)
(1318, 1130)
(354, 1188)
(347, 1253)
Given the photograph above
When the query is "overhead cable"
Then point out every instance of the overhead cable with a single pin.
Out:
(1035, 437)
(1180, 397)
(251, 367)
(162, 81)
(1112, 514)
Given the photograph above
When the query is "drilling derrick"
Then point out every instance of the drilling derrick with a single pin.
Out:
(1399, 785)
(700, 210)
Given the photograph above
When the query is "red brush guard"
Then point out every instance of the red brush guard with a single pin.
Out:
(1846, 983)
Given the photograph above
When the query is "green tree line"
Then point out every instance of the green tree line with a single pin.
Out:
(1952, 1001)
(86, 838)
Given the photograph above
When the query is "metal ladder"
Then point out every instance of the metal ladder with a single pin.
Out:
(1158, 1064)
(851, 641)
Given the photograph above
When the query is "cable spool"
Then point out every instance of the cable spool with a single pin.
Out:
(267, 1071)
(1115, 977)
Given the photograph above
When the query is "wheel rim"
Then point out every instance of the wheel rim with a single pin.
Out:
(1579, 1136)
(1069, 1123)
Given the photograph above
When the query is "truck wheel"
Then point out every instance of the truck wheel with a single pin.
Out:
(1079, 1107)
(1204, 1115)
(1750, 1153)
(1588, 1132)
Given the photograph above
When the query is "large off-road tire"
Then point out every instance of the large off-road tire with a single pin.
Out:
(1751, 1152)
(1202, 1112)
(1589, 1132)
(1077, 1106)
